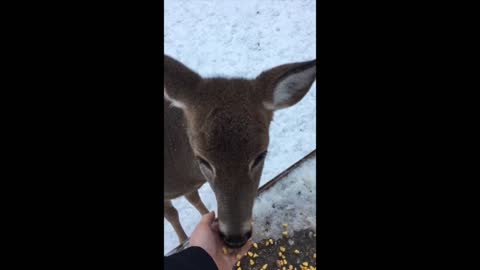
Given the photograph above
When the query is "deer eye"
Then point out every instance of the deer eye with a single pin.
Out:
(259, 159)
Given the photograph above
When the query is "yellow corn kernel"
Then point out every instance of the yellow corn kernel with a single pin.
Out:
(250, 254)
(225, 250)
(255, 255)
(279, 263)
(239, 268)
(255, 245)
(314, 255)
(285, 225)
(305, 263)
(282, 249)
(252, 262)
(239, 257)
(283, 256)
(238, 263)
(284, 268)
(271, 241)
(285, 262)
(296, 251)
(290, 267)
(264, 266)
(279, 254)
(285, 233)
(267, 244)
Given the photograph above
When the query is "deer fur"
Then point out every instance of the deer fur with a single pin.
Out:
(217, 131)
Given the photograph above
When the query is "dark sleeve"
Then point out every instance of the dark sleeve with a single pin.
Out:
(191, 258)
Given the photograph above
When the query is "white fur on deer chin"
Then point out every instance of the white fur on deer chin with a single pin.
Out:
(246, 226)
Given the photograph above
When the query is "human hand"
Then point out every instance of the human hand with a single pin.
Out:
(207, 236)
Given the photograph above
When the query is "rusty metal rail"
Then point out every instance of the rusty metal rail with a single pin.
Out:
(262, 189)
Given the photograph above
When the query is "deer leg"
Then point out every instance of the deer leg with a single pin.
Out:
(171, 214)
(194, 199)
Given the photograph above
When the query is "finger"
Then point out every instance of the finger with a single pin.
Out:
(215, 227)
(208, 218)
(246, 247)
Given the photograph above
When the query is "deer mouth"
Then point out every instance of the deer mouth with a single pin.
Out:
(235, 242)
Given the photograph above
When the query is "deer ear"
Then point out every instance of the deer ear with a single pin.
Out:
(286, 85)
(179, 82)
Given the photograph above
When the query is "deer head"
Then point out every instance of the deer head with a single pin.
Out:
(228, 124)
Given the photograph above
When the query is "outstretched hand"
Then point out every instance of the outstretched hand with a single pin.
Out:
(207, 236)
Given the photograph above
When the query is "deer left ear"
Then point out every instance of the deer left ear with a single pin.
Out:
(286, 85)
(179, 82)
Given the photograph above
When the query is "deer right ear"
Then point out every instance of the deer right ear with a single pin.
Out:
(286, 85)
(179, 82)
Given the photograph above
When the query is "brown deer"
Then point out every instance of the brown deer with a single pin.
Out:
(217, 131)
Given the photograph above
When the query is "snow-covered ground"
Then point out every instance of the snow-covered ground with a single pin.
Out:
(292, 200)
(241, 39)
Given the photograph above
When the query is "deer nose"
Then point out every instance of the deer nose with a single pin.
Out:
(236, 241)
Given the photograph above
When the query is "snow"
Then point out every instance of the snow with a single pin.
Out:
(241, 39)
(291, 200)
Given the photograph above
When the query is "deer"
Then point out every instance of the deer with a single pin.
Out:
(216, 130)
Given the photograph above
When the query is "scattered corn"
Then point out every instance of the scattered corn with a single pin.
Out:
(239, 256)
(225, 250)
(271, 241)
(279, 254)
(285, 225)
(305, 263)
(290, 267)
(250, 254)
(285, 233)
(238, 263)
(239, 268)
(264, 266)
(252, 262)
(284, 268)
(267, 244)
(255, 255)
(279, 263)
(255, 245)
(282, 249)
(296, 251)
(283, 256)
(285, 262)
(314, 255)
